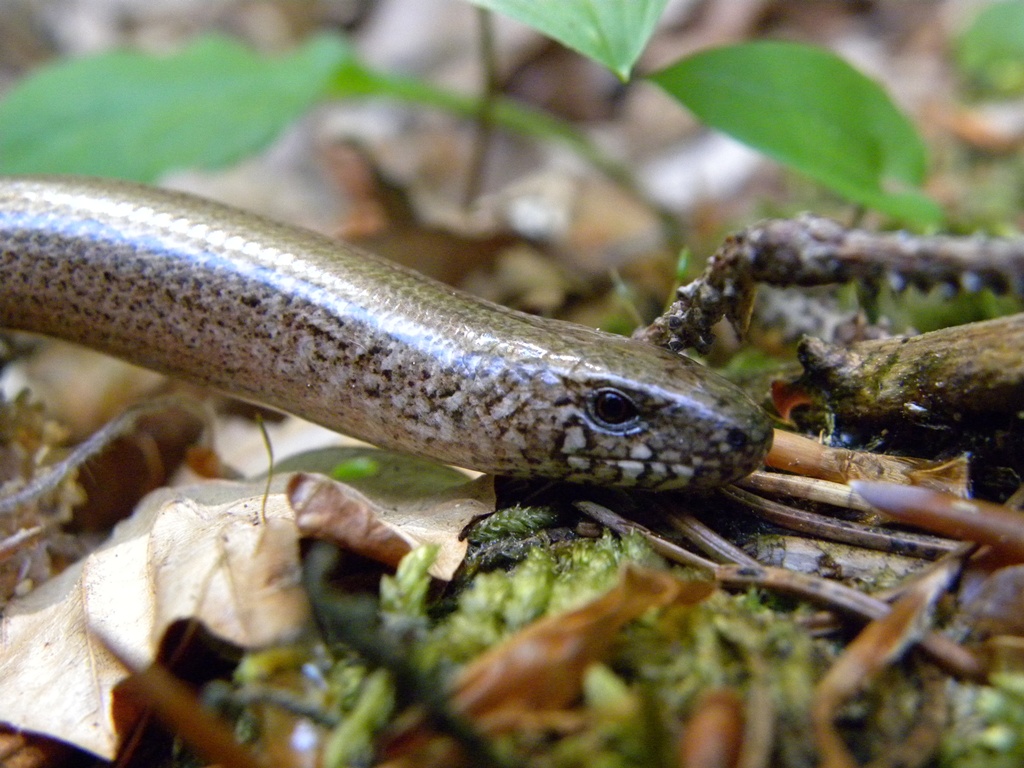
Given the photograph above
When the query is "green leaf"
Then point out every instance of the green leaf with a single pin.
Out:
(810, 110)
(135, 116)
(612, 32)
(991, 50)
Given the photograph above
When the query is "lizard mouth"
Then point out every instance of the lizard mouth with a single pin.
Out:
(651, 475)
(667, 476)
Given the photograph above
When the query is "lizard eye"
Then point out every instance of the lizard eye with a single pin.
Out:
(612, 409)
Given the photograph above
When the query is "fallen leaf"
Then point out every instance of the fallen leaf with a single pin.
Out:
(385, 523)
(786, 397)
(220, 552)
(994, 606)
(541, 668)
(713, 736)
(530, 679)
(20, 750)
(325, 509)
(203, 552)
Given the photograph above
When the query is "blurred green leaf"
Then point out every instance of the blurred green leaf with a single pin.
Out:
(991, 50)
(810, 110)
(354, 469)
(611, 32)
(135, 116)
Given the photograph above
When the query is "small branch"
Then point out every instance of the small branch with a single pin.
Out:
(857, 534)
(952, 657)
(485, 116)
(811, 250)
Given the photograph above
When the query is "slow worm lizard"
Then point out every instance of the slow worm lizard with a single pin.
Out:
(315, 327)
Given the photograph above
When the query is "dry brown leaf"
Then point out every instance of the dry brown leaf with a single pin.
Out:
(993, 606)
(325, 509)
(219, 552)
(20, 750)
(384, 524)
(713, 736)
(541, 668)
(529, 680)
(199, 552)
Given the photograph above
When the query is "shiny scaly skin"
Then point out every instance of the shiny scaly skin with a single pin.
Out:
(315, 327)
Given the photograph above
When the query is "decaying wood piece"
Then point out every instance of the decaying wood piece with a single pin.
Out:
(969, 376)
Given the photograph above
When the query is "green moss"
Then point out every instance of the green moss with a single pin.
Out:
(549, 579)
(515, 521)
(634, 704)
(730, 641)
(405, 593)
(636, 700)
(351, 742)
(988, 729)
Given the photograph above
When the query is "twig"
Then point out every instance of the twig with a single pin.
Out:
(871, 537)
(485, 116)
(661, 545)
(952, 378)
(951, 656)
(806, 489)
(709, 542)
(18, 540)
(811, 250)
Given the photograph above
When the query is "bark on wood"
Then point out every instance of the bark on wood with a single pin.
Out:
(952, 377)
